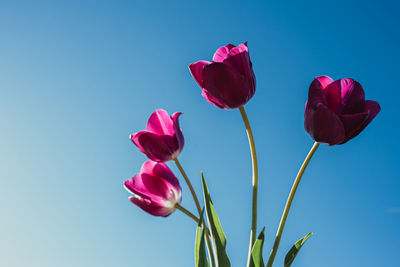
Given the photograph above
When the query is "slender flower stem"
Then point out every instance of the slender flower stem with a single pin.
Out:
(254, 181)
(191, 215)
(188, 213)
(289, 203)
(196, 201)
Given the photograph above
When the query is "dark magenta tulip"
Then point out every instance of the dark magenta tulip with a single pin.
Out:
(336, 111)
(163, 139)
(155, 189)
(228, 81)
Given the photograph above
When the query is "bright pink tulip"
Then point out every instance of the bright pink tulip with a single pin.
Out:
(336, 111)
(163, 139)
(156, 189)
(228, 81)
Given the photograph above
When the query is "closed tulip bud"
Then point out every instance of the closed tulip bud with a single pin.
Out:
(336, 111)
(163, 139)
(155, 189)
(228, 81)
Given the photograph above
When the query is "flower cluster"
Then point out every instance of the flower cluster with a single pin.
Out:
(156, 189)
(335, 112)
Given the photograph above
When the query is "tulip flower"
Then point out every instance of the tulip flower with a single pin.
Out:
(156, 190)
(336, 111)
(163, 139)
(228, 81)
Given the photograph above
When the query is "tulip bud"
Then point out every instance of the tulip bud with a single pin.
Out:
(336, 111)
(228, 81)
(163, 139)
(156, 190)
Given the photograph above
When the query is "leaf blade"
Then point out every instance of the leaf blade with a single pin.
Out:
(217, 234)
(200, 256)
(291, 255)
(256, 251)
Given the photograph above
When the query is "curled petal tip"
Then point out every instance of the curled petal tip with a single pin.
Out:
(127, 189)
(178, 113)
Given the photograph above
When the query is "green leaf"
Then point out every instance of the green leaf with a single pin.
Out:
(294, 250)
(256, 251)
(217, 234)
(200, 256)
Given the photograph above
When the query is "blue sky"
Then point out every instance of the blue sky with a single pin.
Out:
(77, 77)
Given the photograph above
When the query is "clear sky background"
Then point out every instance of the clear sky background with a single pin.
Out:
(77, 77)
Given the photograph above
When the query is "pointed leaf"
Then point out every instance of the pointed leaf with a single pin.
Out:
(217, 234)
(294, 250)
(256, 251)
(200, 256)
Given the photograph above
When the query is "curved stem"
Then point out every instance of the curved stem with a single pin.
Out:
(289, 203)
(188, 213)
(191, 215)
(196, 201)
(254, 181)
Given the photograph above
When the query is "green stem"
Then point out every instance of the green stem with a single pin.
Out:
(289, 203)
(254, 182)
(196, 201)
(191, 215)
(188, 213)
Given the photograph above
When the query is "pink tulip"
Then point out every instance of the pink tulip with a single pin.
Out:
(336, 111)
(228, 81)
(163, 139)
(156, 189)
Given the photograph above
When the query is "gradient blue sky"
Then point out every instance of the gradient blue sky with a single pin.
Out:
(77, 77)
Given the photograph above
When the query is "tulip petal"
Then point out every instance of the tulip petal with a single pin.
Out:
(323, 124)
(242, 48)
(222, 53)
(324, 81)
(333, 96)
(151, 207)
(160, 169)
(160, 123)
(196, 69)
(154, 187)
(177, 129)
(226, 84)
(140, 185)
(213, 100)
(351, 91)
(373, 109)
(135, 186)
(241, 62)
(353, 97)
(156, 147)
(352, 123)
(316, 90)
(239, 59)
(148, 166)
